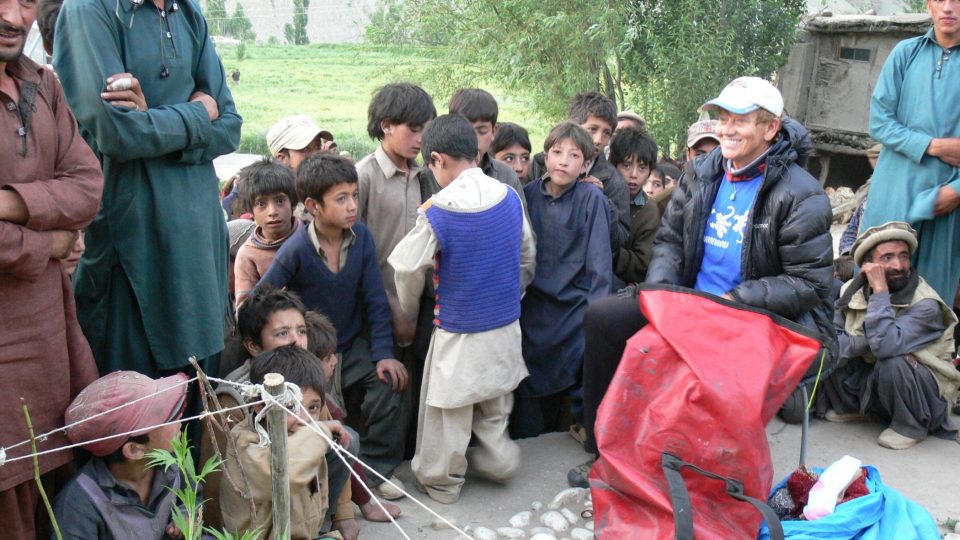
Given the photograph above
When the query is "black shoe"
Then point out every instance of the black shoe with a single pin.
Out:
(579, 476)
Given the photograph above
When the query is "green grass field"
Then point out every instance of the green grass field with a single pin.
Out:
(334, 84)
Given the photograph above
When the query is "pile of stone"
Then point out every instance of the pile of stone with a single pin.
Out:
(569, 516)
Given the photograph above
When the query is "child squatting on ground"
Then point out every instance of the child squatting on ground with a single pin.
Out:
(306, 452)
(117, 495)
(474, 236)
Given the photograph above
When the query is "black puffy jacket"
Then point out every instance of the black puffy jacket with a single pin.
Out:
(787, 247)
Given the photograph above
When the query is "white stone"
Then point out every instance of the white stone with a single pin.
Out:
(555, 521)
(581, 534)
(568, 496)
(588, 525)
(952, 536)
(511, 532)
(483, 533)
(537, 505)
(521, 519)
(571, 517)
(542, 536)
(541, 530)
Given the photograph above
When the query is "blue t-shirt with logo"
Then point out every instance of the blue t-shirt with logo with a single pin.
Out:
(720, 270)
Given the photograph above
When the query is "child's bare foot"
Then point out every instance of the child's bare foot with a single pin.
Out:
(348, 528)
(372, 512)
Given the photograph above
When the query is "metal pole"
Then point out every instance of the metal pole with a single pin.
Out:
(277, 429)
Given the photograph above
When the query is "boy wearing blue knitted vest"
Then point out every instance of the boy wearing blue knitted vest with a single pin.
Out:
(474, 235)
(332, 266)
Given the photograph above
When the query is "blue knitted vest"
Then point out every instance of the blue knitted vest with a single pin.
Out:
(477, 271)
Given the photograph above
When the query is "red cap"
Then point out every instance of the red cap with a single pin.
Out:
(116, 389)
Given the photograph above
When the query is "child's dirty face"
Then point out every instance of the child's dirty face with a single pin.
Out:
(600, 131)
(403, 140)
(635, 173)
(518, 158)
(654, 185)
(485, 132)
(340, 206)
(329, 365)
(565, 162)
(313, 402)
(273, 214)
(162, 437)
(283, 328)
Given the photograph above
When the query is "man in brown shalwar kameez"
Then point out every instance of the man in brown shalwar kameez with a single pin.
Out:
(50, 186)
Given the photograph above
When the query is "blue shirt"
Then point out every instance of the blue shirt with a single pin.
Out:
(721, 268)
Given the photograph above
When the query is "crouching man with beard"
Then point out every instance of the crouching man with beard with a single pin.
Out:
(896, 336)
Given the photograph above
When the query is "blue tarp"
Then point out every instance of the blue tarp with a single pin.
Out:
(884, 514)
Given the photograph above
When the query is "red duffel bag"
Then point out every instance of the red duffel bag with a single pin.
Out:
(694, 389)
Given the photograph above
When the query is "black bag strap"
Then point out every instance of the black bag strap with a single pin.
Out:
(28, 96)
(680, 498)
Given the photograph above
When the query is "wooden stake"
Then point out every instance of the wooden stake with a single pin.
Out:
(277, 429)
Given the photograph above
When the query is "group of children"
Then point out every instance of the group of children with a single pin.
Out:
(458, 287)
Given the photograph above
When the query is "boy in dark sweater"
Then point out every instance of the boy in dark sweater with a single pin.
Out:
(332, 266)
(634, 154)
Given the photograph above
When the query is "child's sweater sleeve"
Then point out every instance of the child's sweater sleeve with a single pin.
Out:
(284, 266)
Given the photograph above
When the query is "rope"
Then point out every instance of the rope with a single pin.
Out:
(338, 449)
(43, 436)
(813, 393)
(108, 437)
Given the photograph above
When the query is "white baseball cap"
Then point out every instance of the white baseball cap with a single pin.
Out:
(747, 94)
(294, 133)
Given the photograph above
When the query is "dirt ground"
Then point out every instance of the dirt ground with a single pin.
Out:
(927, 473)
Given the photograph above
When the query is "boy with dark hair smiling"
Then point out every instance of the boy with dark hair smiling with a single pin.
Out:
(332, 266)
(389, 191)
(634, 154)
(597, 114)
(572, 225)
(267, 191)
(474, 235)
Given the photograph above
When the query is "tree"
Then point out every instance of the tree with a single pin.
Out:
(296, 33)
(216, 15)
(240, 25)
(661, 57)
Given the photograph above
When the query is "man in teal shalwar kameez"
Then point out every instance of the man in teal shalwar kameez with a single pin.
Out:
(915, 113)
(151, 287)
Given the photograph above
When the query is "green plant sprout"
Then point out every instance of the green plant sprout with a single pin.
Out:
(188, 515)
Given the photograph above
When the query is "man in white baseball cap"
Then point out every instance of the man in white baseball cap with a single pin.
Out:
(295, 138)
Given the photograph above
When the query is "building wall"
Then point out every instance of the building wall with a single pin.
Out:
(328, 21)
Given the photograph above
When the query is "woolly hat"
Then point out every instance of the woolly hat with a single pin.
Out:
(874, 236)
(102, 408)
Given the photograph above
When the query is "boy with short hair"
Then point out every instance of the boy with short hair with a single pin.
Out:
(267, 191)
(572, 225)
(597, 114)
(389, 189)
(117, 495)
(480, 108)
(511, 145)
(634, 154)
(306, 453)
(474, 235)
(332, 266)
